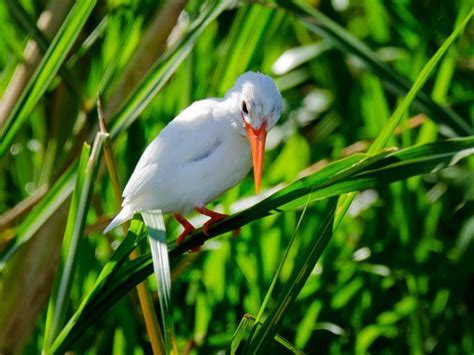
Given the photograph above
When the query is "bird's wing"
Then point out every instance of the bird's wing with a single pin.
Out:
(191, 136)
(138, 181)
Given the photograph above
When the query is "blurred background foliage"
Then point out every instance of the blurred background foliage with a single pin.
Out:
(396, 277)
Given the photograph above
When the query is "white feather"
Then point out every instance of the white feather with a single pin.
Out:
(125, 214)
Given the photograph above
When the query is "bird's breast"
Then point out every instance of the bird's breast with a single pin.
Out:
(211, 173)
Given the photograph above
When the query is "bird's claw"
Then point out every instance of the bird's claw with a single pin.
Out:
(181, 239)
(215, 217)
(213, 220)
(188, 228)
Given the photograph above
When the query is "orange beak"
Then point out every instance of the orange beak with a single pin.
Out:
(257, 138)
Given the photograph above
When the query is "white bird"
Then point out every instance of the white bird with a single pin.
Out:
(207, 149)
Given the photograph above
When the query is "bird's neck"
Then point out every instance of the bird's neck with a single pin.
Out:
(231, 111)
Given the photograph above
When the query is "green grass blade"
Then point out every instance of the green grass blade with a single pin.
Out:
(294, 284)
(52, 316)
(132, 271)
(161, 72)
(46, 71)
(282, 263)
(159, 252)
(243, 330)
(29, 25)
(71, 243)
(246, 37)
(55, 197)
(387, 132)
(241, 334)
(325, 27)
(107, 79)
(425, 73)
(280, 268)
(93, 37)
(99, 291)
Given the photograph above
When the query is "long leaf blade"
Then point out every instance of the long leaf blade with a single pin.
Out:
(96, 294)
(54, 198)
(46, 71)
(72, 239)
(295, 283)
(162, 71)
(387, 132)
(325, 27)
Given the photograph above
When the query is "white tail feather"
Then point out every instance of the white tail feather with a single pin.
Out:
(124, 215)
(161, 264)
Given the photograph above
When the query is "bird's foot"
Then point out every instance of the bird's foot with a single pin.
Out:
(215, 217)
(188, 228)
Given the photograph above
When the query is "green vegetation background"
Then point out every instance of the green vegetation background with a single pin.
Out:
(397, 276)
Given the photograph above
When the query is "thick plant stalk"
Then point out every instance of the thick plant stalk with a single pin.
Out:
(49, 22)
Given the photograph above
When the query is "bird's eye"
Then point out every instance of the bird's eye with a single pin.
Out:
(244, 108)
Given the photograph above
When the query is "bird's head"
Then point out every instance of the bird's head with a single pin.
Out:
(260, 107)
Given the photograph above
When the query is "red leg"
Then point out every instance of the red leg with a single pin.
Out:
(188, 228)
(215, 217)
